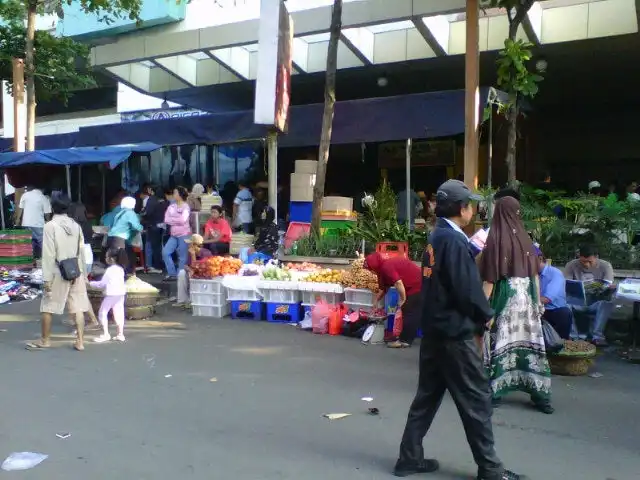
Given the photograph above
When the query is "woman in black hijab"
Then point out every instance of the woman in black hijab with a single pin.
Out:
(515, 352)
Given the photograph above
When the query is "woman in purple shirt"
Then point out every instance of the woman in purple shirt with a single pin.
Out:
(177, 218)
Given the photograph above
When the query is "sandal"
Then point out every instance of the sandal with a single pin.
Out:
(37, 345)
(78, 348)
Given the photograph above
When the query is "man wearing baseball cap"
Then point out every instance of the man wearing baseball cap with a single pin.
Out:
(455, 314)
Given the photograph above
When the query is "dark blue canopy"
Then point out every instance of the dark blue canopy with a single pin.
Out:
(421, 115)
(45, 142)
(113, 155)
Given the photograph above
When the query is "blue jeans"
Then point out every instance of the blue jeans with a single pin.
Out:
(36, 240)
(601, 311)
(174, 244)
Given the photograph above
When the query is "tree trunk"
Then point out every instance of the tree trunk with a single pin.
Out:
(29, 73)
(512, 137)
(327, 117)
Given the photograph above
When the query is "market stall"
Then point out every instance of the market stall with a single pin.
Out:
(338, 302)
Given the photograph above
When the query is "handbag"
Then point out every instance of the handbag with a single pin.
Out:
(552, 341)
(70, 267)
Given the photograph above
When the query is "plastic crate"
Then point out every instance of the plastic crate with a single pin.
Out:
(215, 311)
(311, 298)
(214, 286)
(208, 299)
(300, 212)
(243, 295)
(247, 310)
(393, 249)
(281, 296)
(284, 312)
(391, 301)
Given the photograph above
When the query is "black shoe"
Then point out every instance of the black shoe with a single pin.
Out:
(544, 407)
(426, 466)
(506, 475)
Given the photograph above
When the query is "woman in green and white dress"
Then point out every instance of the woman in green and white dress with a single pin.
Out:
(514, 348)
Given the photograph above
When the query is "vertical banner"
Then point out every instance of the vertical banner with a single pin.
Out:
(273, 83)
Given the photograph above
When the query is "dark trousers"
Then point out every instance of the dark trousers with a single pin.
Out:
(410, 318)
(456, 366)
(218, 248)
(154, 237)
(561, 320)
(117, 243)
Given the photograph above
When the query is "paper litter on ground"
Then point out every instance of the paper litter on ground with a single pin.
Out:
(22, 461)
(336, 416)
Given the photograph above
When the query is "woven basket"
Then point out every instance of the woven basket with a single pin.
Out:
(571, 363)
(141, 299)
(139, 313)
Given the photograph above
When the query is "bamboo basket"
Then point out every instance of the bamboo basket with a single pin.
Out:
(572, 364)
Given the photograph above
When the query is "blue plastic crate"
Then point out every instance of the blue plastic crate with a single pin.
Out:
(284, 312)
(300, 212)
(391, 301)
(247, 310)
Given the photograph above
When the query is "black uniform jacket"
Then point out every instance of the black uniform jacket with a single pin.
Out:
(454, 305)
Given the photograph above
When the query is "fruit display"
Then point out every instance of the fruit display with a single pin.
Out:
(325, 276)
(216, 266)
(359, 277)
(276, 273)
(135, 285)
(303, 267)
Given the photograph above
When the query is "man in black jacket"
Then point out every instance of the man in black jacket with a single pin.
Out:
(152, 218)
(454, 317)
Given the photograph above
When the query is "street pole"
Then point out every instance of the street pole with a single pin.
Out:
(408, 179)
(471, 95)
(272, 180)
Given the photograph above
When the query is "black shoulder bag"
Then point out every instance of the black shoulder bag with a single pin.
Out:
(70, 267)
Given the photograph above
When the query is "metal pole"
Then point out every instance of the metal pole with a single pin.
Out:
(272, 177)
(68, 169)
(408, 175)
(2, 200)
(472, 95)
(104, 190)
(79, 183)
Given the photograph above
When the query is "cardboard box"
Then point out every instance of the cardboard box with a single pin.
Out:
(302, 180)
(301, 194)
(306, 166)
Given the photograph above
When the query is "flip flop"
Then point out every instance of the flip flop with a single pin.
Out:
(36, 346)
(75, 347)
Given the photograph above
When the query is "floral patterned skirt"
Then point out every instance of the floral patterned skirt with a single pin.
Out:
(515, 356)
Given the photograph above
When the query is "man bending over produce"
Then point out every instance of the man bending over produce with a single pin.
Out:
(196, 252)
(405, 275)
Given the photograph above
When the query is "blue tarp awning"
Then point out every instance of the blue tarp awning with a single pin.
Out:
(113, 155)
(45, 142)
(421, 115)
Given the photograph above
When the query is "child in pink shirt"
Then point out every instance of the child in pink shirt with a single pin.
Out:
(114, 294)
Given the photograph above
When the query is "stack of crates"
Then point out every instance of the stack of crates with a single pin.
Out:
(208, 298)
(16, 251)
(357, 299)
(245, 304)
(282, 304)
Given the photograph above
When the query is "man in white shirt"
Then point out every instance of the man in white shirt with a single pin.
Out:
(243, 209)
(33, 208)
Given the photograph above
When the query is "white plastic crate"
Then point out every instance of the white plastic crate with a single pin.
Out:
(243, 295)
(215, 311)
(208, 299)
(281, 296)
(197, 285)
(311, 298)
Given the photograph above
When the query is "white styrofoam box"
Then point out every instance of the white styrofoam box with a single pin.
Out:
(197, 285)
(214, 311)
(301, 194)
(281, 296)
(629, 289)
(208, 299)
(306, 166)
(303, 180)
(320, 287)
(311, 298)
(243, 295)
(336, 204)
(354, 296)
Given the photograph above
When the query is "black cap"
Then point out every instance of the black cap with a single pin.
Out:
(455, 191)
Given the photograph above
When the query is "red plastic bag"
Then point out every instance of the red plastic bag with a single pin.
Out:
(320, 314)
(397, 323)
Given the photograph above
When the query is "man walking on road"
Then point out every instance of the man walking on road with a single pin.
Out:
(454, 317)
(33, 209)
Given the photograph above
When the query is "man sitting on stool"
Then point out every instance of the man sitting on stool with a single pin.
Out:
(554, 298)
(196, 252)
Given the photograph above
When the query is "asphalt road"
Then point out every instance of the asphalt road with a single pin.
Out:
(148, 409)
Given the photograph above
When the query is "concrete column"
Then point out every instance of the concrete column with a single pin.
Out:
(472, 95)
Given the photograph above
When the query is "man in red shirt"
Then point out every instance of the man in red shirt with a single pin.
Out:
(406, 277)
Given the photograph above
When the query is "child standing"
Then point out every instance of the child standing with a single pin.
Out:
(114, 294)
